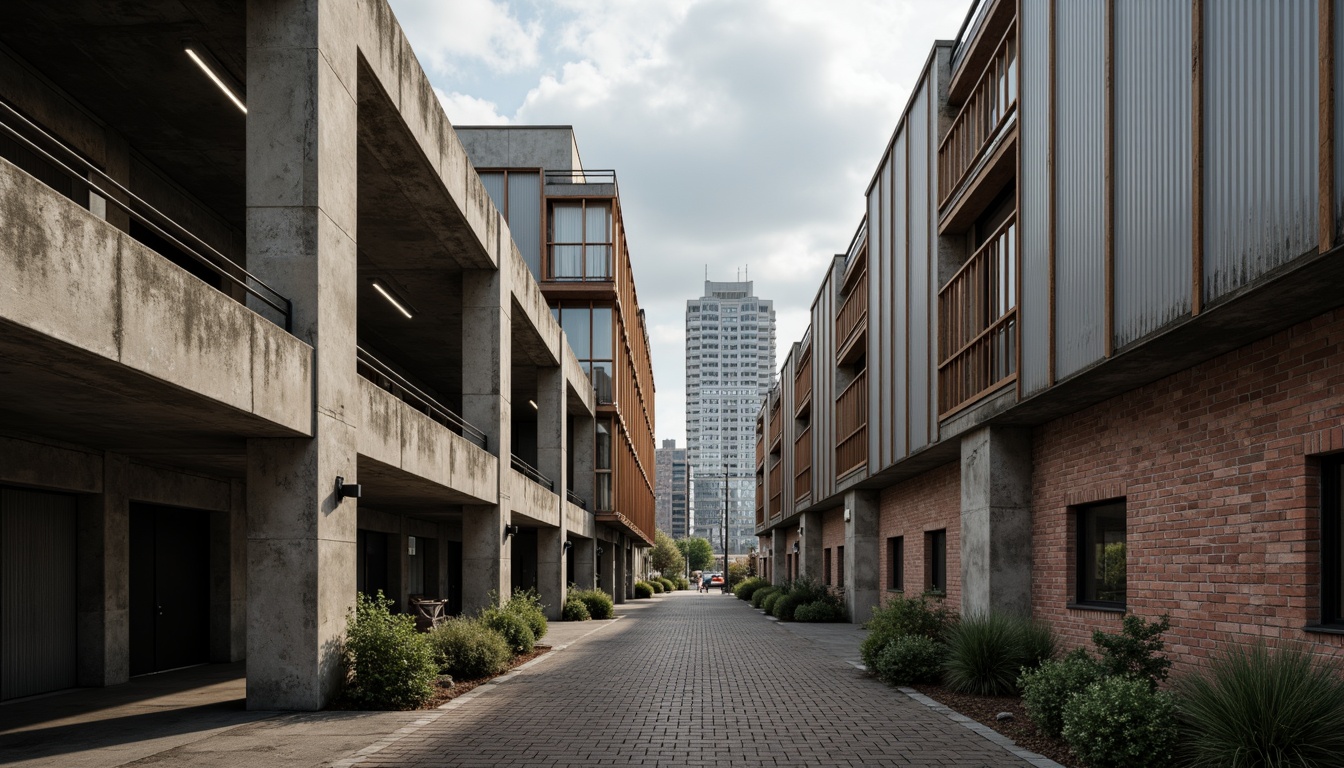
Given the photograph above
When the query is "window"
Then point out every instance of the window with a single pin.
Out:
(602, 465)
(1101, 554)
(896, 563)
(517, 194)
(580, 240)
(840, 566)
(935, 561)
(1332, 541)
(826, 565)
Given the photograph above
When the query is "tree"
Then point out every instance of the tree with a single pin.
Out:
(698, 552)
(665, 557)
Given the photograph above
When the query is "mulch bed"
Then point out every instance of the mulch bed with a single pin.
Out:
(445, 694)
(984, 709)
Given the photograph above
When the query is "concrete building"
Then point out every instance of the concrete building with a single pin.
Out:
(264, 341)
(730, 361)
(676, 478)
(569, 227)
(1082, 356)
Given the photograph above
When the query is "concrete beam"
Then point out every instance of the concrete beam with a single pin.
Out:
(996, 521)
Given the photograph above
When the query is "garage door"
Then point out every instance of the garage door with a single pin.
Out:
(37, 592)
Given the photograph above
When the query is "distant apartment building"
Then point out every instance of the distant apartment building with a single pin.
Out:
(1083, 355)
(676, 514)
(266, 342)
(730, 360)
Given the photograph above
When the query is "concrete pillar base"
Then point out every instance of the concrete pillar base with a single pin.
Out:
(861, 555)
(996, 521)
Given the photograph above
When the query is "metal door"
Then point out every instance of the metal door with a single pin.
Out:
(170, 588)
(37, 592)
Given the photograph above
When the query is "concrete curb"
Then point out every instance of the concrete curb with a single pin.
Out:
(984, 731)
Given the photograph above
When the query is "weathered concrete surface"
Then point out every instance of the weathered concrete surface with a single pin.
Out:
(996, 521)
(862, 572)
(810, 546)
(103, 595)
(553, 148)
(531, 500)
(579, 521)
(607, 568)
(585, 562)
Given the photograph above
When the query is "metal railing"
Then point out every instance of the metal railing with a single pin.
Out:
(970, 27)
(987, 109)
(385, 378)
(776, 486)
(852, 311)
(802, 381)
(156, 221)
(575, 498)
(533, 474)
(604, 176)
(977, 322)
(851, 426)
(802, 465)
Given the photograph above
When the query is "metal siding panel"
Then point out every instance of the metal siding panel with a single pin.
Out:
(919, 259)
(930, 428)
(879, 259)
(525, 217)
(37, 593)
(880, 378)
(1080, 246)
(1152, 166)
(1033, 116)
(900, 335)
(823, 393)
(1260, 156)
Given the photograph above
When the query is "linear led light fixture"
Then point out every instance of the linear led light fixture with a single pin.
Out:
(211, 67)
(387, 294)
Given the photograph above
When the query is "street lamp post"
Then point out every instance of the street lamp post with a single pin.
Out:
(725, 527)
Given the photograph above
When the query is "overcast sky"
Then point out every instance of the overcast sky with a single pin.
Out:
(743, 132)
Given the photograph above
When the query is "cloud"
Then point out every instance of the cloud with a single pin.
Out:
(445, 35)
(469, 110)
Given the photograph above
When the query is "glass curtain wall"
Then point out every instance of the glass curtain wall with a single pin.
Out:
(591, 335)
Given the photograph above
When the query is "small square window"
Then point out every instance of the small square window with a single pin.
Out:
(935, 561)
(896, 563)
(826, 565)
(1332, 541)
(1101, 554)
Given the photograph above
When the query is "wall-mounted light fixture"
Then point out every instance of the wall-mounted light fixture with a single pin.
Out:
(795, 547)
(346, 490)
(599, 551)
(393, 299)
(846, 514)
(800, 529)
(410, 546)
(511, 530)
(565, 547)
(533, 403)
(217, 74)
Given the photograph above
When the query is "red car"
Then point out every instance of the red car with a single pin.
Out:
(716, 580)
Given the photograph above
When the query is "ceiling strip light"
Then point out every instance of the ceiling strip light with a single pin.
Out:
(204, 60)
(387, 295)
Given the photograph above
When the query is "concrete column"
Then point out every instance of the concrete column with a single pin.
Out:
(228, 578)
(301, 181)
(623, 582)
(486, 384)
(552, 444)
(103, 622)
(861, 563)
(809, 547)
(608, 580)
(583, 457)
(778, 549)
(551, 570)
(996, 521)
(585, 563)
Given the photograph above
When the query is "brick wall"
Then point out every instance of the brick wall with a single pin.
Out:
(1216, 466)
(832, 538)
(924, 503)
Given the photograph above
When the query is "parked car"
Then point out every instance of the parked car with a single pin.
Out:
(716, 580)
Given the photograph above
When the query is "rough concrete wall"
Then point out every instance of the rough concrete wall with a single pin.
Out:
(1215, 466)
(996, 521)
(912, 508)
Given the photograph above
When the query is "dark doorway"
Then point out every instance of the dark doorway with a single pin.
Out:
(524, 557)
(569, 567)
(371, 563)
(170, 588)
(454, 577)
(37, 592)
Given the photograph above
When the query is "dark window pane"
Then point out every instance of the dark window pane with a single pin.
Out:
(1101, 552)
(602, 333)
(575, 321)
(936, 542)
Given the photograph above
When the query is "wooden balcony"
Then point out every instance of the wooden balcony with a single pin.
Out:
(802, 465)
(776, 485)
(802, 383)
(977, 323)
(989, 107)
(851, 426)
(776, 426)
(849, 321)
(760, 502)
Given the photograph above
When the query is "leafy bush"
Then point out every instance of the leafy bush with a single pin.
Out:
(785, 605)
(468, 649)
(1136, 651)
(643, 590)
(392, 666)
(771, 599)
(924, 615)
(1257, 708)
(598, 603)
(819, 610)
(512, 627)
(682, 582)
(656, 586)
(737, 573)
(748, 587)
(1121, 721)
(910, 659)
(1046, 689)
(668, 584)
(759, 596)
(575, 610)
(526, 604)
(986, 653)
(809, 589)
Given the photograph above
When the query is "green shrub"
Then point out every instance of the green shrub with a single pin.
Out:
(668, 584)
(910, 659)
(1046, 689)
(468, 649)
(575, 610)
(391, 665)
(987, 653)
(1257, 708)
(643, 590)
(785, 605)
(924, 615)
(656, 585)
(820, 610)
(759, 596)
(512, 627)
(808, 589)
(748, 587)
(1136, 651)
(768, 604)
(1119, 722)
(682, 582)
(527, 605)
(598, 603)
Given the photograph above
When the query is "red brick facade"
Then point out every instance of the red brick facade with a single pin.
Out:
(911, 509)
(833, 538)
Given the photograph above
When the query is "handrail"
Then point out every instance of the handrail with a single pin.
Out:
(275, 300)
(982, 117)
(575, 498)
(581, 176)
(429, 405)
(990, 241)
(533, 473)
(978, 322)
(975, 14)
(848, 318)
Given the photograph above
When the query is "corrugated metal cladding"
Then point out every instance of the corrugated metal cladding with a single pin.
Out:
(881, 347)
(921, 194)
(823, 386)
(1260, 150)
(1339, 121)
(1033, 121)
(900, 333)
(1152, 166)
(943, 56)
(1080, 179)
(37, 592)
(786, 430)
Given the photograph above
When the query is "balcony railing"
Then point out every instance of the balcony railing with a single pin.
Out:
(760, 502)
(776, 487)
(92, 179)
(533, 473)
(603, 176)
(852, 311)
(802, 383)
(776, 425)
(851, 426)
(575, 498)
(385, 378)
(984, 113)
(977, 323)
(802, 465)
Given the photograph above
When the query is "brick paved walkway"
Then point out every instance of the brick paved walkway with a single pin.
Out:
(692, 680)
